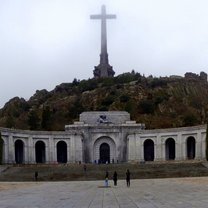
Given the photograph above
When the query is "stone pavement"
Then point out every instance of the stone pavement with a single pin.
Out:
(148, 193)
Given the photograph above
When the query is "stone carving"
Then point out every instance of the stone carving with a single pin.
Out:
(103, 119)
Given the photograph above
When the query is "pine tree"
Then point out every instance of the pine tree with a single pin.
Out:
(46, 118)
(33, 120)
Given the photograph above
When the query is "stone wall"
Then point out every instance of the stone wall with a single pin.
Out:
(128, 142)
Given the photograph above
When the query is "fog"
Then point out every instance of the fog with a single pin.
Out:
(44, 43)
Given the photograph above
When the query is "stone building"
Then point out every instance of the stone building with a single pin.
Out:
(103, 137)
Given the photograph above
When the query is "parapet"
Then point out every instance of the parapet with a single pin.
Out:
(104, 117)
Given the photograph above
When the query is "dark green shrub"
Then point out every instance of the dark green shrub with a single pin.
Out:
(146, 106)
(190, 120)
(108, 100)
(33, 120)
(124, 98)
(46, 118)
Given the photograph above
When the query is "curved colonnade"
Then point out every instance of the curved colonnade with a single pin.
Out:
(114, 144)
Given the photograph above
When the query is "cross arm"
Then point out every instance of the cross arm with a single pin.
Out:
(98, 16)
(95, 16)
(110, 16)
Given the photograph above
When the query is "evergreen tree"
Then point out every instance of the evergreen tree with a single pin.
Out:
(33, 120)
(46, 118)
(10, 122)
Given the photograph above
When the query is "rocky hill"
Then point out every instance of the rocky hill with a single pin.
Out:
(158, 102)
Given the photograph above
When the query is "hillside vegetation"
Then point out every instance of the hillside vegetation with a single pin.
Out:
(158, 102)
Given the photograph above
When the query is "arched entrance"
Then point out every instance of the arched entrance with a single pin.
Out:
(40, 152)
(170, 149)
(61, 152)
(191, 146)
(149, 150)
(104, 149)
(19, 151)
(104, 153)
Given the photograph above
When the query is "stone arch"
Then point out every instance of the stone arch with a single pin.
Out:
(104, 144)
(61, 147)
(19, 151)
(149, 153)
(40, 152)
(190, 147)
(170, 149)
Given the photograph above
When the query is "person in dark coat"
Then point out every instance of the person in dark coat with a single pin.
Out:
(85, 168)
(128, 178)
(36, 175)
(115, 178)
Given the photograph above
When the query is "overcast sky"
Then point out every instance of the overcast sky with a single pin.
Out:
(44, 43)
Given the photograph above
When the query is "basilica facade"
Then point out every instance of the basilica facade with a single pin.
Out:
(103, 137)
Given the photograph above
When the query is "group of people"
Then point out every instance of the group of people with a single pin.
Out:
(115, 178)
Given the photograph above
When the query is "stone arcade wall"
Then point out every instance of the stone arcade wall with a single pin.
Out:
(50, 139)
(159, 138)
(128, 141)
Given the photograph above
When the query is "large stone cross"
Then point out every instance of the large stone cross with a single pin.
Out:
(103, 69)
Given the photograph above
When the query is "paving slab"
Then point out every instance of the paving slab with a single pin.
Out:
(146, 193)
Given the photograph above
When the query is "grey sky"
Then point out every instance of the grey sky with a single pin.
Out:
(44, 43)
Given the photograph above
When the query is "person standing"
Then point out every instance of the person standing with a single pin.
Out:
(85, 168)
(115, 178)
(106, 179)
(128, 178)
(36, 175)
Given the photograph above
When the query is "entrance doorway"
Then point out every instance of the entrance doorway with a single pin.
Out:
(148, 150)
(170, 149)
(40, 152)
(191, 148)
(61, 152)
(19, 151)
(104, 153)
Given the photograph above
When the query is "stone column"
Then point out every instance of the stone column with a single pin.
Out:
(137, 147)
(163, 149)
(26, 151)
(72, 148)
(47, 148)
(178, 146)
(31, 150)
(68, 142)
(78, 148)
(158, 149)
(11, 155)
(200, 146)
(183, 147)
(131, 143)
(51, 150)
(5, 150)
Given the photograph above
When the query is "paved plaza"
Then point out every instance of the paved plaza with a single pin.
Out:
(148, 193)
